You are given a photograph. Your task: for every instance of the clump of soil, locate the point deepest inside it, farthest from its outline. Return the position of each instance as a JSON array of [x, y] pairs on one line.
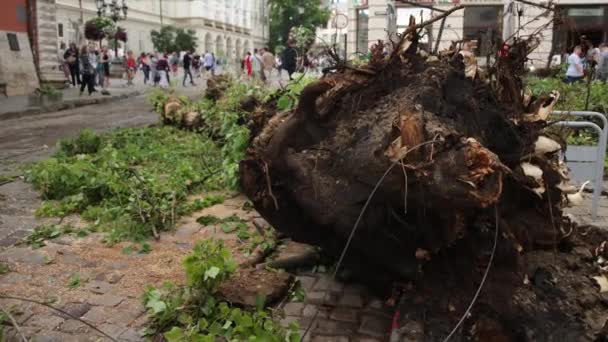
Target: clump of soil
[[433, 165]]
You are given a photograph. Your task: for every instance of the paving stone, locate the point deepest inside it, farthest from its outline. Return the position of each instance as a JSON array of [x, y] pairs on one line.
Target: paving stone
[[344, 314], [325, 283], [126, 312], [321, 298], [293, 309], [310, 310], [118, 265], [113, 330], [105, 300], [374, 326], [110, 277], [321, 338], [186, 232], [261, 223], [75, 309], [99, 287], [354, 288], [333, 328], [352, 299], [306, 282], [13, 278], [130, 335], [287, 320], [74, 326], [46, 322], [97, 315], [23, 255]]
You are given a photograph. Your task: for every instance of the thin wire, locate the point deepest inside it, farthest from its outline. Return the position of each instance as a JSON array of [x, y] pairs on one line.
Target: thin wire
[[483, 280], [352, 233]]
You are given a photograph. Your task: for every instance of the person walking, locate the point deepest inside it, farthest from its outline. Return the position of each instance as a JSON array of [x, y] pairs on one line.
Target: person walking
[[209, 62], [186, 64], [575, 70], [71, 56], [131, 67], [248, 67], [87, 70], [602, 65], [163, 68], [289, 58], [154, 72], [103, 70], [94, 60], [144, 62], [174, 62], [257, 65], [269, 63], [63, 64], [196, 65]]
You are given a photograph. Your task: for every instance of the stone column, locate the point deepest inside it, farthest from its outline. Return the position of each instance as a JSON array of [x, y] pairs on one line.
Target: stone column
[[382, 20], [46, 43]]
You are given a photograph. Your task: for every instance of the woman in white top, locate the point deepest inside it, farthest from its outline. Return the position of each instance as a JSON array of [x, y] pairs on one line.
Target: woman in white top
[[575, 66]]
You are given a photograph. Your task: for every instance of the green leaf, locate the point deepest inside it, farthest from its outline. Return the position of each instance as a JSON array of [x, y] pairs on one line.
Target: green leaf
[[175, 335], [212, 272], [228, 227]]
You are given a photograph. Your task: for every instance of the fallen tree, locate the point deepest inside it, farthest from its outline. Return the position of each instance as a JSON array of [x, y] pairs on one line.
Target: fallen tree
[[430, 162]]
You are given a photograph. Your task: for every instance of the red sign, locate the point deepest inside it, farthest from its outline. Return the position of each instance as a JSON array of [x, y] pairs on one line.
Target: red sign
[[13, 16]]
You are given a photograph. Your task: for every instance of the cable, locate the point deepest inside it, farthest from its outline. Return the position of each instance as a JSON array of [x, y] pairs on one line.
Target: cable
[[483, 280], [352, 233]]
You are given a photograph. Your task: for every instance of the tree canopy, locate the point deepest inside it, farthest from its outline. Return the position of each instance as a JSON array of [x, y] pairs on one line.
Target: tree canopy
[[99, 28], [286, 14], [172, 39]]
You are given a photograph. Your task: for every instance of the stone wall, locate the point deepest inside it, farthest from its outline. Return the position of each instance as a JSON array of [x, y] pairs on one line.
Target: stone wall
[[46, 37], [17, 70]]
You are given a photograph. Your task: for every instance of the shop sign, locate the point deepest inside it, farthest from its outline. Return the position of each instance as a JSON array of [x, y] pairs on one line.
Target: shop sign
[[586, 12]]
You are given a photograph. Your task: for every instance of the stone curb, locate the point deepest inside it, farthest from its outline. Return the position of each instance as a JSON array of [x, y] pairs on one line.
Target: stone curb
[[69, 104]]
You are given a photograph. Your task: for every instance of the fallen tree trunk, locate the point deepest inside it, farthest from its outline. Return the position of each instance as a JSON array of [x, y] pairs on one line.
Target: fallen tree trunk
[[455, 151], [436, 161]]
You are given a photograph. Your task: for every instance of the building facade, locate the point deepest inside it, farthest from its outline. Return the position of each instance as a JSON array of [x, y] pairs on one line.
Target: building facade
[[17, 70], [483, 22], [228, 28]]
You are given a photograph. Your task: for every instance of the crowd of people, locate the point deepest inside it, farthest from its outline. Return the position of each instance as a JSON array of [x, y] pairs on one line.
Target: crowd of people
[[586, 60], [88, 67]]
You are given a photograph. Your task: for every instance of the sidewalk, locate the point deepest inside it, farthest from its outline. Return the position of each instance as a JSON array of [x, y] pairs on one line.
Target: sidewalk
[[16, 106]]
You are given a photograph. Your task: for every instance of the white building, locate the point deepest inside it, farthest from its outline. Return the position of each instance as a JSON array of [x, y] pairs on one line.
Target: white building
[[228, 28], [482, 21]]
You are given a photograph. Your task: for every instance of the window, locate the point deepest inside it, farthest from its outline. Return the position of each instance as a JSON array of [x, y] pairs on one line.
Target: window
[[13, 42], [483, 26], [362, 30], [60, 30]]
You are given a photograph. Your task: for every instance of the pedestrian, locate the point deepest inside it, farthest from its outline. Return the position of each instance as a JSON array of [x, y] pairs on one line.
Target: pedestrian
[[575, 70], [174, 62], [602, 65], [214, 64], [87, 71], [248, 68], [279, 65], [257, 65], [144, 63], [269, 63], [209, 62], [71, 56], [63, 64], [131, 67], [186, 64], [103, 70], [163, 68], [154, 72], [94, 60], [289, 58], [196, 65]]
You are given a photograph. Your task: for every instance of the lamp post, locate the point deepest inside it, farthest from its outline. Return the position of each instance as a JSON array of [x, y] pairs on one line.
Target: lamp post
[[116, 12]]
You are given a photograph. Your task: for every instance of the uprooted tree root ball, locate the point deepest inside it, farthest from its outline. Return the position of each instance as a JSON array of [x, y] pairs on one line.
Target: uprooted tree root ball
[[454, 157]]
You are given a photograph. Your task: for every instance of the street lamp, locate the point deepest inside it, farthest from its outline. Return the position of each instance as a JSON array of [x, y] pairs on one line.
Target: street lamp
[[117, 11]]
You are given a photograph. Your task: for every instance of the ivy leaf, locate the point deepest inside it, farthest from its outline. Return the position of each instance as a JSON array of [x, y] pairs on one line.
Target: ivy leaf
[[175, 335], [212, 272], [154, 302], [228, 228], [284, 103]]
